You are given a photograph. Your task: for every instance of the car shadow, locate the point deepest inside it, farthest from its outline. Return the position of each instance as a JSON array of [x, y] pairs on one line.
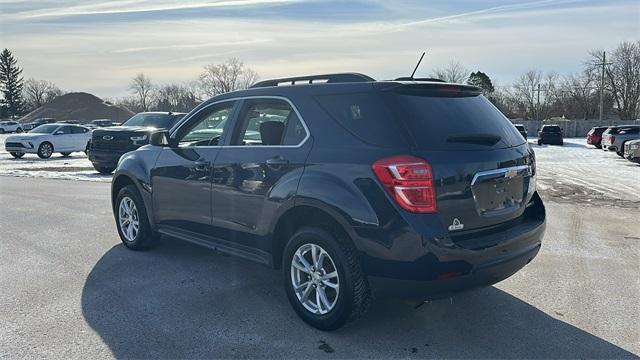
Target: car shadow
[[181, 301]]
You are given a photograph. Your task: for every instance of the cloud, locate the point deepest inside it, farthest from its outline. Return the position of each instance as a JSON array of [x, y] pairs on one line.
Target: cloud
[[190, 46], [504, 41], [138, 6]]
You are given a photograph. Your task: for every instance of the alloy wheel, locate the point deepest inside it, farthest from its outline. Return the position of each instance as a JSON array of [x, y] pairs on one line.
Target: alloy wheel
[[315, 279], [47, 150], [128, 219]]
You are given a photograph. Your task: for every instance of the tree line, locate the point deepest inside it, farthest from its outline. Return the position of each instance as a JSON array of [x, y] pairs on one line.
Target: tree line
[[542, 95], [215, 79], [533, 95]]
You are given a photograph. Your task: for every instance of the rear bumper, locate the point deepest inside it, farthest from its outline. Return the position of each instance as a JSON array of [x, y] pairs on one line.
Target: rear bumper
[[449, 265], [481, 275]]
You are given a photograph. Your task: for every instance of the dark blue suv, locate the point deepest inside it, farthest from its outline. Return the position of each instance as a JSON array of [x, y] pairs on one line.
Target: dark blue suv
[[355, 188]]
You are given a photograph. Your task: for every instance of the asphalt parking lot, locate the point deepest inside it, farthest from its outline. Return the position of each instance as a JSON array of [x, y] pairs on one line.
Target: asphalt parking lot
[[70, 290]]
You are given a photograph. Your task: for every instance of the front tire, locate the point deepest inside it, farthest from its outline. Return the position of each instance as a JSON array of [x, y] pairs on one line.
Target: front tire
[[2, 131], [19, 130], [132, 221], [323, 279], [45, 150], [17, 155], [65, 154]]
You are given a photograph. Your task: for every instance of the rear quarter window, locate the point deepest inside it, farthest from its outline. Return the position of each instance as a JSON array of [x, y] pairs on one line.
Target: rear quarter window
[[365, 116]]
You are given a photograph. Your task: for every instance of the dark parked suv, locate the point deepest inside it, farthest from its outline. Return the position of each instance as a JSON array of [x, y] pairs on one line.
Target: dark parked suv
[[355, 188], [550, 134], [108, 144]]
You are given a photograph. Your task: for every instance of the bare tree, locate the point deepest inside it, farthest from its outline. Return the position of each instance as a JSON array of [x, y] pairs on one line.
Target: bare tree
[[454, 72], [229, 76], [622, 77], [175, 97], [579, 96], [39, 92], [142, 88], [525, 91]]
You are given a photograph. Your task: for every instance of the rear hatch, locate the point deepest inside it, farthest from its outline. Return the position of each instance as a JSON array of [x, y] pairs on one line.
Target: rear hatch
[[484, 170]]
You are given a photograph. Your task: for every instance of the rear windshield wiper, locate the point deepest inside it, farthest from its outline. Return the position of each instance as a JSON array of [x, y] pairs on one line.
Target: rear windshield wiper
[[480, 139]]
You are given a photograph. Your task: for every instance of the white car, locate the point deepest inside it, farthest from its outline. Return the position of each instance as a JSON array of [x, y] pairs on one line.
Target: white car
[[10, 126], [46, 139]]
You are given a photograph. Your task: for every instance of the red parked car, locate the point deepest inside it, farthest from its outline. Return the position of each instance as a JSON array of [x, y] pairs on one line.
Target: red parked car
[[594, 136]]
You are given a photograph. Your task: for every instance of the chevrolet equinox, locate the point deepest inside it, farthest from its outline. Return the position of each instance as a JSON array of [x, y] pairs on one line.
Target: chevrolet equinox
[[354, 188]]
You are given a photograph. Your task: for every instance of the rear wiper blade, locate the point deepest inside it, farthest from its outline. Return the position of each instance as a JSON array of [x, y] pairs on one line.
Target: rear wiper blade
[[480, 139]]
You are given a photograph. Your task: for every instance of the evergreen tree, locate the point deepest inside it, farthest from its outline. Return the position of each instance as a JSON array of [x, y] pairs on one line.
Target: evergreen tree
[[10, 83], [482, 81]]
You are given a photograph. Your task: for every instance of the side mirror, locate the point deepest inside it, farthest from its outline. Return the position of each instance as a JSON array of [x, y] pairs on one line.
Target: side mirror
[[159, 138]]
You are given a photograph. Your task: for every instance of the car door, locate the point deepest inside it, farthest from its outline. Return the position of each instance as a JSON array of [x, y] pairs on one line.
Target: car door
[[181, 179], [63, 138], [80, 138], [258, 170]]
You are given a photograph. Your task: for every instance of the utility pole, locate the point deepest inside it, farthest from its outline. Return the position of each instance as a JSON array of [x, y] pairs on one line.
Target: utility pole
[[538, 104], [603, 64]]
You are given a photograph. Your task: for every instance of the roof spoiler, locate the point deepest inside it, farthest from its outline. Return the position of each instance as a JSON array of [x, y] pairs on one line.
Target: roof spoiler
[[315, 79]]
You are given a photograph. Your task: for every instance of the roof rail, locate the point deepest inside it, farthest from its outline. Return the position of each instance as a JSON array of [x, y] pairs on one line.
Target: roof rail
[[311, 79], [407, 78]]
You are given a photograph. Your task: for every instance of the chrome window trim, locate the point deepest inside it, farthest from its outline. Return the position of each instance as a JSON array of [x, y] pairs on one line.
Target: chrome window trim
[[304, 124], [500, 171]]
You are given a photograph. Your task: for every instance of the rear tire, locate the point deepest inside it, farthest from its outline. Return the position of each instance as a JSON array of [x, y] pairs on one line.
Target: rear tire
[[65, 154], [2, 131], [19, 130], [353, 295], [45, 150], [598, 146], [132, 221], [103, 169], [17, 155], [539, 142]]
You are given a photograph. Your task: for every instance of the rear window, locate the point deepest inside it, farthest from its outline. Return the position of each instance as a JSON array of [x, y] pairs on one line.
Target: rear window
[[453, 122], [551, 129], [388, 118]]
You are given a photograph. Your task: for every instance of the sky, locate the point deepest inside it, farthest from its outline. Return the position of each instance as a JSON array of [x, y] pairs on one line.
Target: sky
[[98, 46]]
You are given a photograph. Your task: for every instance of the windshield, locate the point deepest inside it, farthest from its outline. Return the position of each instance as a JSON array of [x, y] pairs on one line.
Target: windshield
[[151, 120], [44, 129]]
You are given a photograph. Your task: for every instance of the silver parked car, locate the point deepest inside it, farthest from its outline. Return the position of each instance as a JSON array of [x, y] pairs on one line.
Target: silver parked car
[[632, 150], [615, 137]]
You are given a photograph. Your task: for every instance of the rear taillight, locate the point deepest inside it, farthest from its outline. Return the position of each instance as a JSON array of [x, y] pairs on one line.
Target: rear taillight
[[409, 181], [612, 139]]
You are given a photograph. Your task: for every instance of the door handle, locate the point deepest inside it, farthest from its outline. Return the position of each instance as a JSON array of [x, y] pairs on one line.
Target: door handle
[[277, 161], [202, 164]]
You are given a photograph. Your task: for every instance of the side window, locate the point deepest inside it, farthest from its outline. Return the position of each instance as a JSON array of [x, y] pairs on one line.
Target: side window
[[78, 130], [207, 129], [269, 122], [65, 130]]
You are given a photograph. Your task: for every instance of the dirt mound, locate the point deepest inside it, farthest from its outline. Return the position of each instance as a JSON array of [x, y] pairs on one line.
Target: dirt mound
[[78, 106]]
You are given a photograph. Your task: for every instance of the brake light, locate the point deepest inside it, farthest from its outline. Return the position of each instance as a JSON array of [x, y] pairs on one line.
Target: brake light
[[409, 181], [612, 139]]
